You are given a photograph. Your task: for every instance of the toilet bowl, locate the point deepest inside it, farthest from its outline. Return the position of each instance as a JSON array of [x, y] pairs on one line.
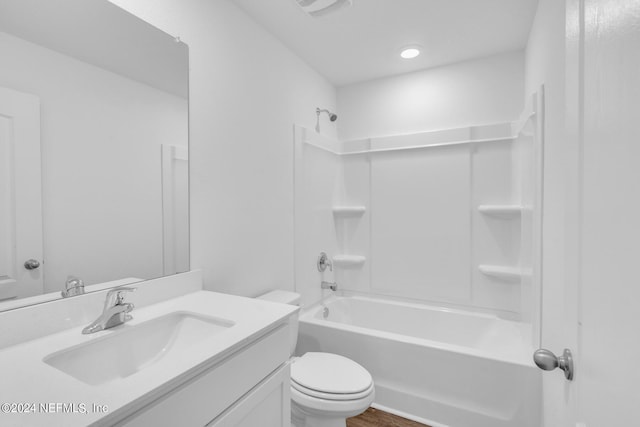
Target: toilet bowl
[[326, 388]]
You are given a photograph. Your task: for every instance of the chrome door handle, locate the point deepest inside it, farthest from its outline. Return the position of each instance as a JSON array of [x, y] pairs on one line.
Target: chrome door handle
[[548, 361], [31, 264]]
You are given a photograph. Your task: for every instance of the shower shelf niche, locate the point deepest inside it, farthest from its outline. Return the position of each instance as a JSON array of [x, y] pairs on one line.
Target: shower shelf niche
[[349, 261], [502, 211], [503, 272], [348, 211]]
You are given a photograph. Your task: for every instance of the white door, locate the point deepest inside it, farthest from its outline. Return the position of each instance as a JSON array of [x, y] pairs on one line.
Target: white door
[[601, 323], [20, 196], [175, 209]]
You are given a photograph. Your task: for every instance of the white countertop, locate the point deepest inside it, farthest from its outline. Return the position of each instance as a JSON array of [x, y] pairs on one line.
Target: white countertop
[[26, 380]]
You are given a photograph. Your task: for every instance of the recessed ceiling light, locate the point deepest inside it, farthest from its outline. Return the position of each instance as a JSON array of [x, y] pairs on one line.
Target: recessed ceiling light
[[410, 52]]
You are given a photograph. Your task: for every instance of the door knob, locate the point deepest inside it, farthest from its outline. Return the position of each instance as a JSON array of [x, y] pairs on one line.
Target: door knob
[[31, 264], [548, 361]]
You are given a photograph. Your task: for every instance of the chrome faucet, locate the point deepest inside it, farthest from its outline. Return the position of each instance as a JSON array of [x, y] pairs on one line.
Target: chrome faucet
[[329, 285], [72, 287], [114, 312]]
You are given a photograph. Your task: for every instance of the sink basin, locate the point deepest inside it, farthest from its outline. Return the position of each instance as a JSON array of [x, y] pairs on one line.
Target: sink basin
[[127, 349]]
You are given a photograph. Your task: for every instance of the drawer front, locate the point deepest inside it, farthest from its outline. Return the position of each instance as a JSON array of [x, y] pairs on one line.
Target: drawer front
[[207, 396]]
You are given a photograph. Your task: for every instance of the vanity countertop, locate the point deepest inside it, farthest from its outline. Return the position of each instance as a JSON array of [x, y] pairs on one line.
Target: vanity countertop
[[34, 393]]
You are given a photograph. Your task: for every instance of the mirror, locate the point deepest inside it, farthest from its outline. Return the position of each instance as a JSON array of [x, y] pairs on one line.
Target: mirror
[[93, 150]]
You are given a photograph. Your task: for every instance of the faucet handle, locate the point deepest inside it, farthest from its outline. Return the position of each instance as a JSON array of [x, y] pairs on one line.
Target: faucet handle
[[115, 296], [324, 262], [73, 282], [72, 287]]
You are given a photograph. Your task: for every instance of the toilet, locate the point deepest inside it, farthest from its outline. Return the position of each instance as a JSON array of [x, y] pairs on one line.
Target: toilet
[[326, 388]]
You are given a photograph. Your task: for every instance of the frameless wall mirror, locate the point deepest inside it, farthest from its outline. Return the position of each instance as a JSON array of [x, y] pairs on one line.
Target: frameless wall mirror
[[93, 150]]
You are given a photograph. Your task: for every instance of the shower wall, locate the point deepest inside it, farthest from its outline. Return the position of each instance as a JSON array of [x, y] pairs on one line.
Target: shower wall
[[422, 235], [440, 217], [318, 182], [421, 223]]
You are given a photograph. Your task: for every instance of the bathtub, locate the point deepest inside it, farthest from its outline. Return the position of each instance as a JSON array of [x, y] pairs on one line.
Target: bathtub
[[438, 366]]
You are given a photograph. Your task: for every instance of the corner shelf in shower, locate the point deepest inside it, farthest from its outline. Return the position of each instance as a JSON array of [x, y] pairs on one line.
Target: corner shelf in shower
[[349, 261], [502, 211], [349, 211], [502, 272]]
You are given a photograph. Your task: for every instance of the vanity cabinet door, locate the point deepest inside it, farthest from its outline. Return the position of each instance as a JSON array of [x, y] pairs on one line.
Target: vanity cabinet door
[[267, 405], [210, 394]]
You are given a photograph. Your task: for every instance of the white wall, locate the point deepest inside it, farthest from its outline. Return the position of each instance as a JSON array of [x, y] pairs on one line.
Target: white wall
[[545, 64], [246, 92], [101, 136], [476, 92]]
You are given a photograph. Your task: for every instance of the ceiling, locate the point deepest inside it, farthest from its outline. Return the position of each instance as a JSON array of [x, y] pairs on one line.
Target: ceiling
[[363, 42], [102, 34]]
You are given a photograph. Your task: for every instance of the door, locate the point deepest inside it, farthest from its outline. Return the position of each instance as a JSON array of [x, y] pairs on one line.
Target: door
[[175, 209], [20, 196], [601, 323]]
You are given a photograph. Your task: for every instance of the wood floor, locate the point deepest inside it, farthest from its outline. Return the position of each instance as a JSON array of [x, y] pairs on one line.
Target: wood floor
[[375, 418]]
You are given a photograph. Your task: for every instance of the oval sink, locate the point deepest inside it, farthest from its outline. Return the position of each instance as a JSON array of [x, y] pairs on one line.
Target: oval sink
[[128, 349]]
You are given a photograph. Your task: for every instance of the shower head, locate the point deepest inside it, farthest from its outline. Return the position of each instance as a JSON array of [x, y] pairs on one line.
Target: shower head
[[333, 117]]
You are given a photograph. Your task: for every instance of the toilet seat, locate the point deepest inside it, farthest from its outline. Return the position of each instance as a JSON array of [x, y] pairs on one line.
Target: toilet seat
[[324, 408], [331, 396], [330, 377]]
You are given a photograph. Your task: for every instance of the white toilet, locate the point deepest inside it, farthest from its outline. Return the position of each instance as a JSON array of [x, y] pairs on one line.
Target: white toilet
[[326, 388]]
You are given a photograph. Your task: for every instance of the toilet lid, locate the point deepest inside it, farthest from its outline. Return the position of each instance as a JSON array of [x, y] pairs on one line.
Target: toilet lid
[[330, 373]]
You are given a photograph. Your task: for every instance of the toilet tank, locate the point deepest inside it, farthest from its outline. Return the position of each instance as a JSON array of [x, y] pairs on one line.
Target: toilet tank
[[291, 298]]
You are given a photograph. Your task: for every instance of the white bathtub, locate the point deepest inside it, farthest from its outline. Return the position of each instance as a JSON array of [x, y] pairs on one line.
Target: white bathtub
[[439, 366]]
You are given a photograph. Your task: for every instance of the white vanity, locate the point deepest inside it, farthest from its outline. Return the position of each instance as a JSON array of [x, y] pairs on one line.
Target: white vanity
[[188, 357]]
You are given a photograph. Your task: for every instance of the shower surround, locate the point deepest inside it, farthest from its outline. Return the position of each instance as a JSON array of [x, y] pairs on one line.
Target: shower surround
[[442, 217], [442, 222]]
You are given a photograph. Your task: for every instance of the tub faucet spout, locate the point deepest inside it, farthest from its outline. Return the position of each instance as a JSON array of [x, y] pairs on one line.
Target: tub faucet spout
[[329, 285]]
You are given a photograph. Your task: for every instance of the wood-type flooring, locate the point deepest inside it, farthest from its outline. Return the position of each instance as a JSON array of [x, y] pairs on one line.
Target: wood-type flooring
[[375, 418]]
